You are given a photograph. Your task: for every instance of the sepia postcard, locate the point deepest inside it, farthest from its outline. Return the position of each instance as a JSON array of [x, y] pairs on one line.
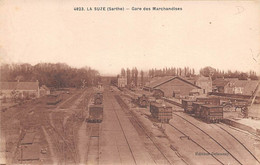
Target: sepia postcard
[[130, 82]]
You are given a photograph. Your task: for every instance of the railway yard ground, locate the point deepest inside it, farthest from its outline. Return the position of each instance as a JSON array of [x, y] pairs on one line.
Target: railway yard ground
[[37, 133]]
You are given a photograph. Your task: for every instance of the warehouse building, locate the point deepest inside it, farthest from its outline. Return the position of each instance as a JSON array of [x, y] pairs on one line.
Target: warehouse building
[[173, 86], [22, 89]]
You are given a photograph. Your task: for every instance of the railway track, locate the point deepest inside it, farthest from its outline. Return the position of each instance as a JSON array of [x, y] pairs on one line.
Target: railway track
[[239, 143], [208, 152], [124, 134], [134, 118], [93, 143], [217, 142]]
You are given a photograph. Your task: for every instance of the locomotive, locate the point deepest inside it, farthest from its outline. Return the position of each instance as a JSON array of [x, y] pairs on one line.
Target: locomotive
[[141, 100]]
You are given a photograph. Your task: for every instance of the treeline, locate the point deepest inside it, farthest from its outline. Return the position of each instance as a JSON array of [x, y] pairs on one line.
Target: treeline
[[132, 76], [216, 73], [57, 75], [186, 72]]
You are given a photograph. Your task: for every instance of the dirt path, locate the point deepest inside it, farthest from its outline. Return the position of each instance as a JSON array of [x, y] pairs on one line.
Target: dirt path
[[82, 143]]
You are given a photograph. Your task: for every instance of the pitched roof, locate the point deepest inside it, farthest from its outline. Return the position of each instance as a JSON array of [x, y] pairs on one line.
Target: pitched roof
[[248, 85], [220, 82], [166, 79], [201, 78], [19, 85], [158, 80]]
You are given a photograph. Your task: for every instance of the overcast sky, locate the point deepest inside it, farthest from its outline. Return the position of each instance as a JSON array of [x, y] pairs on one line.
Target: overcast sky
[[224, 35]]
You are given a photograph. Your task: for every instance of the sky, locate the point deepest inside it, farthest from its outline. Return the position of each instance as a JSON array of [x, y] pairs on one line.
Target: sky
[[224, 35]]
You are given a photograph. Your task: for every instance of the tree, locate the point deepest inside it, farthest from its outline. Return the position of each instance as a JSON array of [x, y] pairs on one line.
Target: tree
[[52, 75], [243, 76], [208, 71], [136, 76], [142, 77], [123, 72], [128, 76]]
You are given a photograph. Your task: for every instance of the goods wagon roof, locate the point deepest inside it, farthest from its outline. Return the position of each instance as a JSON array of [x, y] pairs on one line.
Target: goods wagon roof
[[211, 106]]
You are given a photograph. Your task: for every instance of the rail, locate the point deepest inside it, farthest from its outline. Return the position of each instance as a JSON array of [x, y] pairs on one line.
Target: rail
[[124, 106], [209, 137], [196, 143], [239, 142], [124, 134]]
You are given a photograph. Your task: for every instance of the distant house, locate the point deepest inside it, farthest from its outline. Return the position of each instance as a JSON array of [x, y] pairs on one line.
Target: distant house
[[23, 89], [172, 86], [205, 83], [219, 85], [122, 82], [44, 90], [235, 86], [243, 87]]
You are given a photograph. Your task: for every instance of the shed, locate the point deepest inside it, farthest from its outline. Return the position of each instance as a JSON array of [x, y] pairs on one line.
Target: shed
[[173, 86], [44, 90], [23, 89]]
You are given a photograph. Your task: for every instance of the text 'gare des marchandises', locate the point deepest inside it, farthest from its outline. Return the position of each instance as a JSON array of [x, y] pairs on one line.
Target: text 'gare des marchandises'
[[123, 9]]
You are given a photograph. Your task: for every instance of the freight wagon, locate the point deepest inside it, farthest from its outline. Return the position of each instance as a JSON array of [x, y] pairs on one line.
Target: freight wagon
[[95, 108], [208, 100], [211, 113], [98, 98], [95, 113], [187, 105], [54, 99], [161, 112], [196, 106]]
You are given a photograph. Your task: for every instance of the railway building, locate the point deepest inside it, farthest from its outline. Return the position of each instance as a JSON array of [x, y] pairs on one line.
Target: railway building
[[121, 82], [205, 83], [173, 86], [23, 89]]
